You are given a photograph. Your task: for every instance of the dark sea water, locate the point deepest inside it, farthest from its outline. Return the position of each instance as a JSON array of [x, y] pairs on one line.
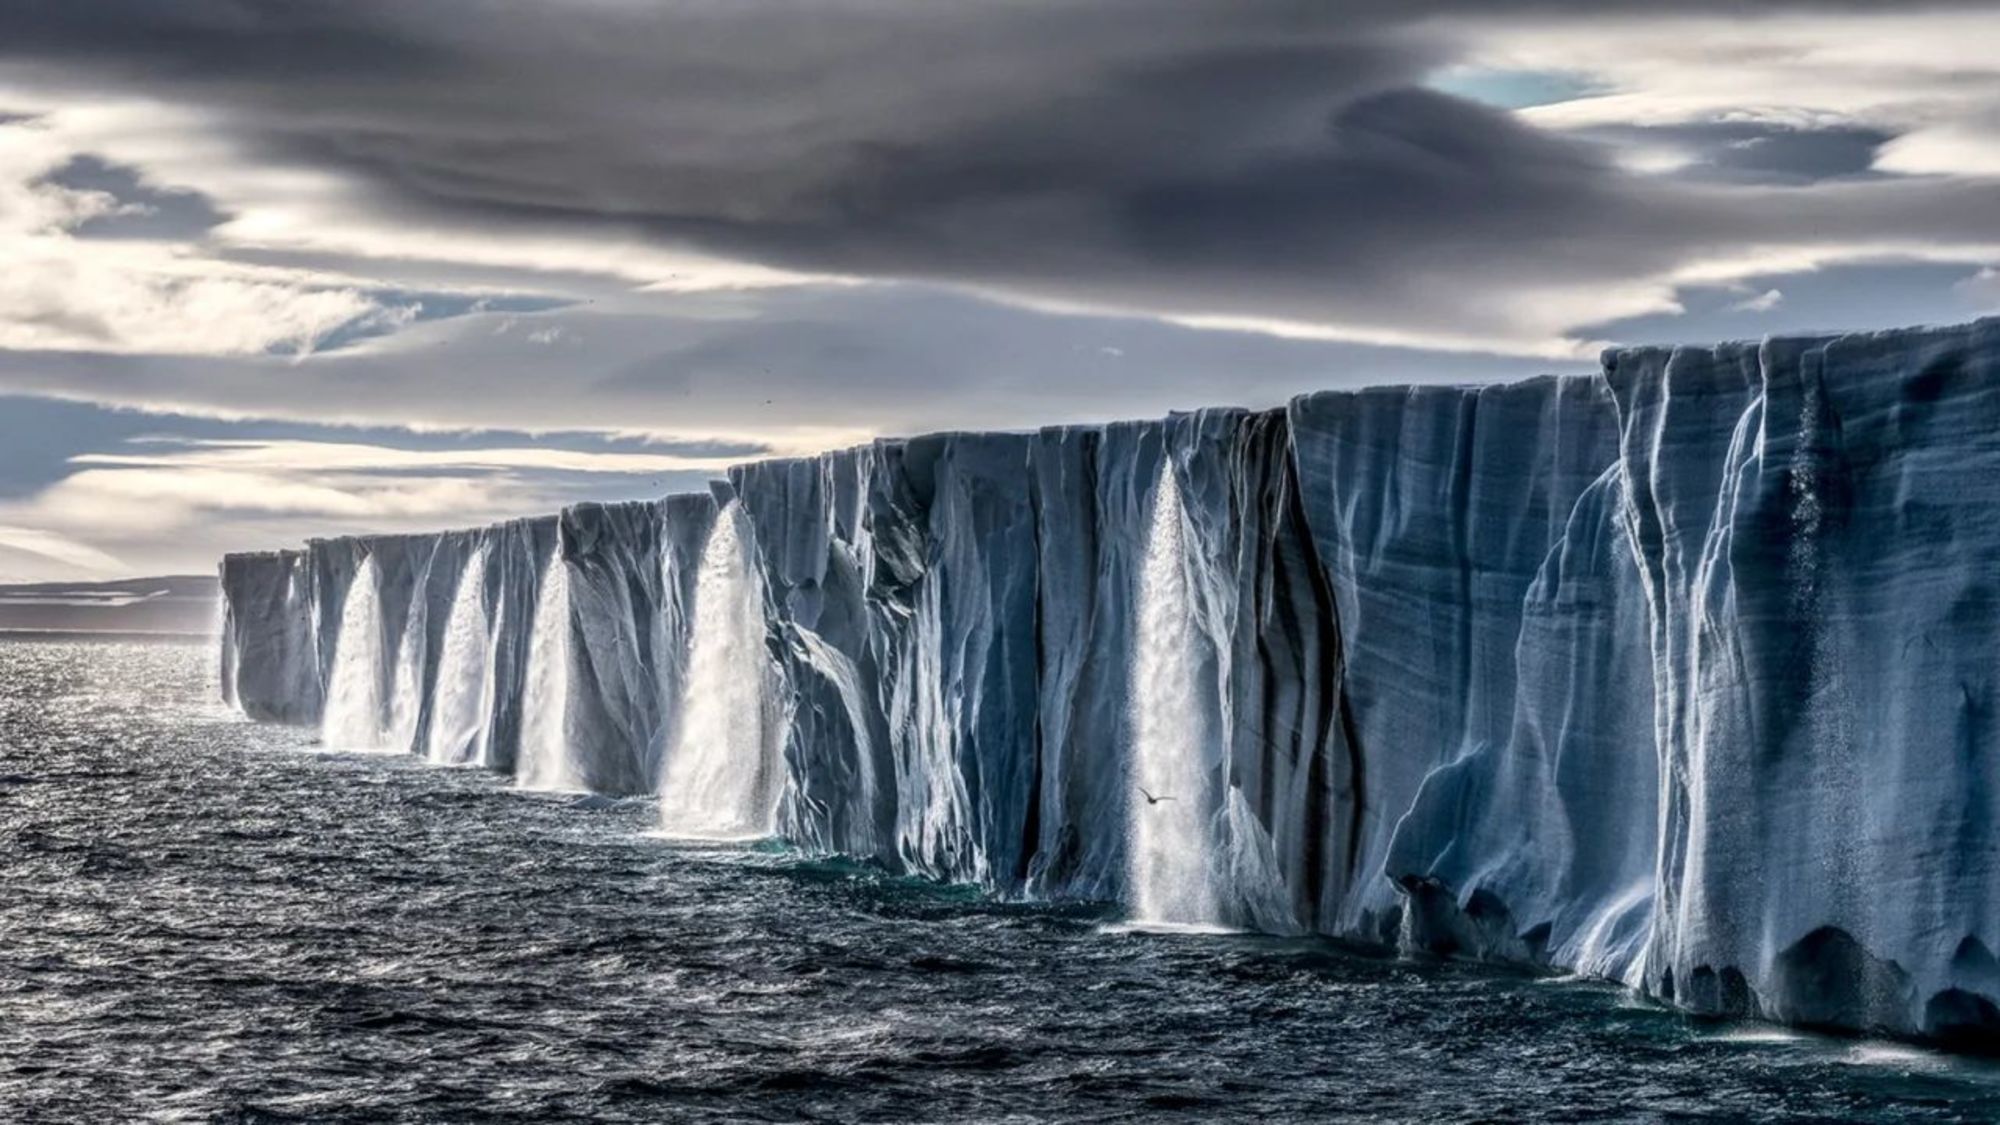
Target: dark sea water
[[203, 920]]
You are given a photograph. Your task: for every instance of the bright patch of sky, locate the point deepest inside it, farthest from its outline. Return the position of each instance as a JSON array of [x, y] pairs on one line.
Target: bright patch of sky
[[1514, 89]]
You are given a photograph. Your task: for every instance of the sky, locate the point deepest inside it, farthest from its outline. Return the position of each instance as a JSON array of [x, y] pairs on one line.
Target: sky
[[279, 268]]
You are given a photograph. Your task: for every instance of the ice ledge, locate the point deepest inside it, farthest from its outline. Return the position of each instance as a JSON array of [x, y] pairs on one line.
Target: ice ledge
[[1682, 674]]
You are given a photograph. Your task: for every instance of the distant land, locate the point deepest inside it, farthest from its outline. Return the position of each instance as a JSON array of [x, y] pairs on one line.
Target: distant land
[[173, 606]]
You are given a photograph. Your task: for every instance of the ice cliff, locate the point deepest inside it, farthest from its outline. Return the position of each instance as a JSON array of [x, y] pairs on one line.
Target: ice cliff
[[1683, 674]]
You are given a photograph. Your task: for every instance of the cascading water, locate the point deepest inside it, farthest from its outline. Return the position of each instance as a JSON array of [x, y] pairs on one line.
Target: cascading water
[[1171, 854], [360, 714], [464, 697], [406, 689], [724, 772], [353, 716], [230, 663], [546, 761]]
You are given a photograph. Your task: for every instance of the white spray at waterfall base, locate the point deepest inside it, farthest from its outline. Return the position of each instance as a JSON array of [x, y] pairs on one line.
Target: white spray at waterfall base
[[1171, 853], [724, 772], [464, 698], [546, 760]]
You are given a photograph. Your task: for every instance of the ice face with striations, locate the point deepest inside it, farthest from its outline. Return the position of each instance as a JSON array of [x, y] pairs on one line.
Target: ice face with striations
[[1683, 674], [1817, 523]]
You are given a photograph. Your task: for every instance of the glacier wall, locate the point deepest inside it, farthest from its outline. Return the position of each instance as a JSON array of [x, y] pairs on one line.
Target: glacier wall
[[1682, 674]]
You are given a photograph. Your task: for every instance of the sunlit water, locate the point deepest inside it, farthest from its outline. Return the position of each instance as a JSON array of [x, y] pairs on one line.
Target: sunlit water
[[204, 920]]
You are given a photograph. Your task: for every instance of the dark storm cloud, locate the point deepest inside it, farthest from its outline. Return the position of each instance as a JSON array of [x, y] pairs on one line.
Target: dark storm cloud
[[1256, 158]]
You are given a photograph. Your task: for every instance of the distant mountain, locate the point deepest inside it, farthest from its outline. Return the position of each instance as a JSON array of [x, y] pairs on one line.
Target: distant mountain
[[180, 605]]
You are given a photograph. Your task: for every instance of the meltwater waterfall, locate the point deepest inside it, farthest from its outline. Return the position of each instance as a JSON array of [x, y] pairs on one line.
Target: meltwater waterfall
[[375, 694], [1579, 672], [724, 773], [1171, 860], [547, 760], [462, 711], [353, 719]]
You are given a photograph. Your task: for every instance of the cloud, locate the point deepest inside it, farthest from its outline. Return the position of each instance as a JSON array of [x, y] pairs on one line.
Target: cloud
[[1763, 302], [164, 483], [1746, 152], [1268, 165], [56, 300], [1835, 298], [781, 373], [693, 390], [29, 554], [62, 291], [788, 225], [207, 495], [1916, 91], [1962, 148], [250, 202], [142, 209], [103, 258], [1982, 287], [300, 457]]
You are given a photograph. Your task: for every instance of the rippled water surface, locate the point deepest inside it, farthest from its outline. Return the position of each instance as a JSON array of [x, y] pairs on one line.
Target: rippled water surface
[[204, 920]]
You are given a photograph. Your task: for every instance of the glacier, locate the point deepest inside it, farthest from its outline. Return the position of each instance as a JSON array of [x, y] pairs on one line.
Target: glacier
[[1682, 674]]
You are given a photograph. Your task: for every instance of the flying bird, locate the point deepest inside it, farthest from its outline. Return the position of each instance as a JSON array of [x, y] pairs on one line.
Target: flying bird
[[1150, 799]]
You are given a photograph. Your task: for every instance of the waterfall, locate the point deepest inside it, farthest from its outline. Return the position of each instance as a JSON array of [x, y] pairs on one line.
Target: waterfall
[[545, 759], [463, 701], [230, 662], [360, 714], [354, 704], [1170, 853], [406, 689], [724, 772]]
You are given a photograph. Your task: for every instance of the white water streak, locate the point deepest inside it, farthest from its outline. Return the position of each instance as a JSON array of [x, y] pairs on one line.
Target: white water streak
[[546, 758], [1171, 861], [352, 719], [374, 695], [724, 773], [462, 711]]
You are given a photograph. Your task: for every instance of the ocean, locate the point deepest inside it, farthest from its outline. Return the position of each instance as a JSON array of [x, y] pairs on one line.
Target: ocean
[[204, 919]]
